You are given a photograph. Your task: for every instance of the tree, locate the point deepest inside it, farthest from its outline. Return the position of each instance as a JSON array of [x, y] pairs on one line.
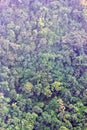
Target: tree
[[37, 110], [56, 86], [47, 92], [63, 128], [29, 121], [28, 87]]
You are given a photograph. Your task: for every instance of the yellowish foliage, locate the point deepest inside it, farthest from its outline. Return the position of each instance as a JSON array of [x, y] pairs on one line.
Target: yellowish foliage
[[47, 91], [60, 101], [41, 21], [28, 87], [56, 86], [85, 13]]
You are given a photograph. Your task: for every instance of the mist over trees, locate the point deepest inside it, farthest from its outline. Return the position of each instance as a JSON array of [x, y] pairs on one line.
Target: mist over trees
[[43, 65]]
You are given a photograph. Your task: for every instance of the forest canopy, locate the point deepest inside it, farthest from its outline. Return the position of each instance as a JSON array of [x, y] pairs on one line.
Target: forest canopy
[[43, 65]]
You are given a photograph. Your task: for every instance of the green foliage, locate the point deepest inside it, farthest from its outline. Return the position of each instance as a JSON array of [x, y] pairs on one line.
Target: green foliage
[[37, 109], [28, 122], [63, 128], [43, 65], [46, 117]]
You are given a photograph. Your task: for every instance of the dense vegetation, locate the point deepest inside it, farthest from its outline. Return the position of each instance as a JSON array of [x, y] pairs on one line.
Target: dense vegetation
[[43, 65]]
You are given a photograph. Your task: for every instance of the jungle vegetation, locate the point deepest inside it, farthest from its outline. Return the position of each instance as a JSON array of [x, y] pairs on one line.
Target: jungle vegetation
[[43, 65]]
